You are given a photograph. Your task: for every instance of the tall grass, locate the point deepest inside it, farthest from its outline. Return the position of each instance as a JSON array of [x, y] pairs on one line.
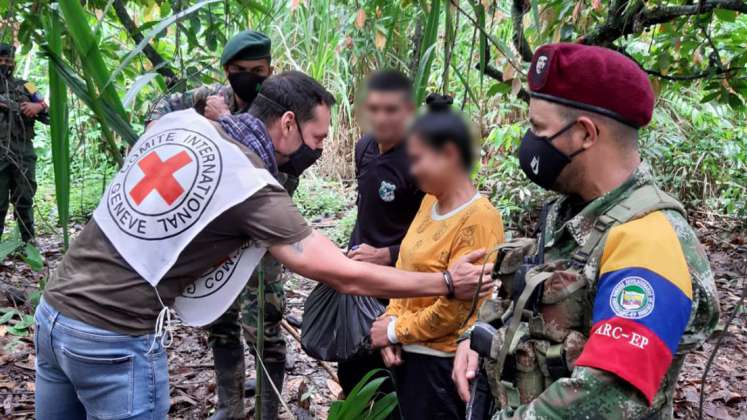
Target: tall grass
[[441, 44]]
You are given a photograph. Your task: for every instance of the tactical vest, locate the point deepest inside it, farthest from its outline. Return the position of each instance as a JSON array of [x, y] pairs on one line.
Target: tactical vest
[[544, 307], [16, 131]]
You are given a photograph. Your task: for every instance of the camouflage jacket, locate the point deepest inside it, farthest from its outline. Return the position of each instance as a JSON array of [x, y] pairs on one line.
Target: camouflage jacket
[[195, 98], [16, 130], [647, 298]]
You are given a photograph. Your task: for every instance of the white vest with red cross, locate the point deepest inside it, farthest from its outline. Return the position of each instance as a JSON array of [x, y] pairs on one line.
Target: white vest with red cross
[[179, 176]]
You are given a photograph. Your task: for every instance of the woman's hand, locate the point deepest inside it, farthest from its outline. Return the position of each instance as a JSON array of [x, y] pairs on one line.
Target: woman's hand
[[465, 369], [466, 275], [379, 338], [392, 356], [367, 253]]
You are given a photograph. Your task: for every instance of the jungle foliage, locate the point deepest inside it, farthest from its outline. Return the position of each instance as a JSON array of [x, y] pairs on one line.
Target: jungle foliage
[[103, 63]]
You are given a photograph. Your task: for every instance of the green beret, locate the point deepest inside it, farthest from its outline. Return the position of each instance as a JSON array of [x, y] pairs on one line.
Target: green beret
[[246, 45]]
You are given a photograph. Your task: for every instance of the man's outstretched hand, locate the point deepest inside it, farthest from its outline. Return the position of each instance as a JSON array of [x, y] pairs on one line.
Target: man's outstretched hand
[[465, 273]]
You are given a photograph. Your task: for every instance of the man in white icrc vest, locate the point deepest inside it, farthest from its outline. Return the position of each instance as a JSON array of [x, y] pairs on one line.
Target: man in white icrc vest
[[182, 226]]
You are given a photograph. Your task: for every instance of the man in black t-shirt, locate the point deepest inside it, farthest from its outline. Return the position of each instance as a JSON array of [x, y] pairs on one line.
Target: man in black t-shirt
[[388, 197]]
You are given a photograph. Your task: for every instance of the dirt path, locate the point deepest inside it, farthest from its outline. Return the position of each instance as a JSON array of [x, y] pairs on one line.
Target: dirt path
[[309, 389]]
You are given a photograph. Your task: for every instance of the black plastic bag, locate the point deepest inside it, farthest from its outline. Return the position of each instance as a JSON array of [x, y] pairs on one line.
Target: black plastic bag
[[336, 326]]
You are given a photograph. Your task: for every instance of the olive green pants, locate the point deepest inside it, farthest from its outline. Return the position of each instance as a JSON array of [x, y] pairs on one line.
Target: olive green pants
[[226, 331], [18, 186]]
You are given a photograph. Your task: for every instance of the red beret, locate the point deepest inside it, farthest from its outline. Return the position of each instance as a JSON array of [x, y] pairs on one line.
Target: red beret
[[594, 79]]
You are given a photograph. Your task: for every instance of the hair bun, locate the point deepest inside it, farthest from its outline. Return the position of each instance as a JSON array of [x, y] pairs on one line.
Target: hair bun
[[438, 103]]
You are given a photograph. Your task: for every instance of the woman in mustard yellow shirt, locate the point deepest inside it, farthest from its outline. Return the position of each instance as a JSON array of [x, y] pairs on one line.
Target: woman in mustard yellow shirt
[[419, 335]]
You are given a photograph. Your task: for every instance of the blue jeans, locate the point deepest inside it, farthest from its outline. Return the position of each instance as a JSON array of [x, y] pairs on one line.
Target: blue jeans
[[85, 372]]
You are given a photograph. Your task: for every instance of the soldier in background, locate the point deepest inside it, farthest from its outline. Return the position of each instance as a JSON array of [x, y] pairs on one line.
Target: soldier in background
[[247, 63], [21, 106], [618, 289]]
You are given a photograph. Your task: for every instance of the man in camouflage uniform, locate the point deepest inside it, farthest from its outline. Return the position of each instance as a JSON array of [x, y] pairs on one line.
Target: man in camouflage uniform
[[246, 62], [21, 106], [597, 323]]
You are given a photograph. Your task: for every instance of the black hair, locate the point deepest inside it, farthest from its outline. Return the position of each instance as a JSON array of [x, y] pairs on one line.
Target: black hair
[[441, 126], [291, 91], [390, 81]]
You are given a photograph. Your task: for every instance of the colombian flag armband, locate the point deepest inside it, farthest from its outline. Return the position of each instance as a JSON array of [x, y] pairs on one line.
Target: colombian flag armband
[[642, 305]]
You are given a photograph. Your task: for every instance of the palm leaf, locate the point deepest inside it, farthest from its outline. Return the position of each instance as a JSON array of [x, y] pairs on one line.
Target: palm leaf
[[90, 55], [139, 83], [58, 128], [428, 42], [106, 114], [152, 33]]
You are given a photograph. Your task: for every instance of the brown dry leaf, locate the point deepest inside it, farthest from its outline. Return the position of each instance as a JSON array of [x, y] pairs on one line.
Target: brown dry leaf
[[697, 57], [334, 388], [508, 72], [577, 10], [3, 330], [303, 396], [360, 19], [596, 5], [380, 40], [182, 399], [378, 12], [656, 86], [556, 36], [727, 86], [515, 86]]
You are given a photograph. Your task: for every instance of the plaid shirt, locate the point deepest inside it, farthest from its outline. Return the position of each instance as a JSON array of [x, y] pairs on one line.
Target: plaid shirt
[[251, 132]]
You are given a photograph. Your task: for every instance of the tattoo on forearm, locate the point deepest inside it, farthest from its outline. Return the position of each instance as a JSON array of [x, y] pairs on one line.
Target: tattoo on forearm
[[298, 247]]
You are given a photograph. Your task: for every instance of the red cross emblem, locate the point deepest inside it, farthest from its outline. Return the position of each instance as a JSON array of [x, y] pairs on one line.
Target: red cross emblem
[[159, 176]]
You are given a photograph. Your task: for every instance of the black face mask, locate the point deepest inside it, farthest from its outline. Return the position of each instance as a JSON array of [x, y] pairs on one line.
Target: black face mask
[[6, 70], [246, 85], [301, 159], [540, 160]]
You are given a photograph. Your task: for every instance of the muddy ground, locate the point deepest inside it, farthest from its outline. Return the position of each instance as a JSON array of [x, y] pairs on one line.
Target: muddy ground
[[309, 388]]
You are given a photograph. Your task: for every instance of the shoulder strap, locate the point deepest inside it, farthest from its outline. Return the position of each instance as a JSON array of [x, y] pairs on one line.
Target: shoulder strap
[[642, 201]]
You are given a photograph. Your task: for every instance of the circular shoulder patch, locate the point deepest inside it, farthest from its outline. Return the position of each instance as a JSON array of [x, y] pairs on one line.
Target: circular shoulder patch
[[633, 298]]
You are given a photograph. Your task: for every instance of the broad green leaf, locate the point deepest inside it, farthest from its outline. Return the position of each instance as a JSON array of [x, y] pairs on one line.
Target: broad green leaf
[[8, 246], [152, 33], [139, 83], [33, 257], [109, 117], [58, 122], [7, 316], [726, 15], [384, 406], [25, 322], [86, 44], [18, 332]]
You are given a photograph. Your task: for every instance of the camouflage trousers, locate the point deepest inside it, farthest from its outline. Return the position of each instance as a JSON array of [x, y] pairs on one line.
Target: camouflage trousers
[[243, 314], [17, 187]]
